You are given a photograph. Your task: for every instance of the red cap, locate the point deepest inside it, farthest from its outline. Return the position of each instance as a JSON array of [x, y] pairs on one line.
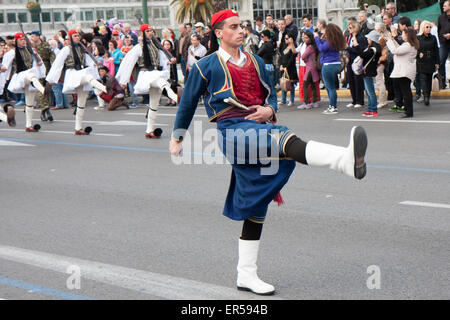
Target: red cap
[[222, 15], [144, 27], [19, 35], [72, 32], [115, 32]]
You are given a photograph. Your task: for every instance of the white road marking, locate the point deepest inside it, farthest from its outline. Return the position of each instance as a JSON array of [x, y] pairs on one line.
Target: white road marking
[[155, 284], [397, 121], [68, 132], [162, 114], [14, 144], [114, 123], [426, 204]]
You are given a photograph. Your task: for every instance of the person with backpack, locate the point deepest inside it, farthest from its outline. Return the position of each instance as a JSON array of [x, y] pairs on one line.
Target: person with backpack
[[370, 57], [267, 52]]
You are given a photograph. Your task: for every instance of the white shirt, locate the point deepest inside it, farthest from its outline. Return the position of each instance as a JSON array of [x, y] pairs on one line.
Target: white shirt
[[226, 56], [200, 51], [301, 50]]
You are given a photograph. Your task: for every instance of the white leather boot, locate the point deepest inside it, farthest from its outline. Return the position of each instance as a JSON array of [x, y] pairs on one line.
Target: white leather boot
[[349, 160], [247, 278]]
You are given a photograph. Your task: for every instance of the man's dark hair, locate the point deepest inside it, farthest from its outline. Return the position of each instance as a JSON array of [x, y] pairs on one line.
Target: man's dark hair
[[405, 21], [188, 24], [214, 43], [389, 15], [259, 19], [307, 16], [266, 33], [269, 15]]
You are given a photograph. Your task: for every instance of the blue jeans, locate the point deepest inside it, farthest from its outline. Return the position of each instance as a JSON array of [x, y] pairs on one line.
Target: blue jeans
[[444, 52], [134, 97], [369, 87], [60, 98], [183, 66], [284, 94], [329, 74]]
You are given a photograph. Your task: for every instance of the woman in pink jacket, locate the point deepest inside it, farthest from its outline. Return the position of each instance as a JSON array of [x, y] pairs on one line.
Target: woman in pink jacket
[[311, 76]]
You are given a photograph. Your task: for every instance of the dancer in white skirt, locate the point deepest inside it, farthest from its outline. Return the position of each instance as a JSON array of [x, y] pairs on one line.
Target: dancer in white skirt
[[26, 70], [154, 71], [80, 76]]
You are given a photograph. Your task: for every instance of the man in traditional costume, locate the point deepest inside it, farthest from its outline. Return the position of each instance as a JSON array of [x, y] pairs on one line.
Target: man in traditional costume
[[26, 70], [153, 67], [228, 73], [80, 76]]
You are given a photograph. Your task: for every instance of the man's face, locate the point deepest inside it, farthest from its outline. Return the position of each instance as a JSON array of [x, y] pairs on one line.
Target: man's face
[[194, 41], [387, 21], [126, 30], [390, 9], [259, 23], [307, 23], [76, 38], [199, 29], [281, 25], [35, 38], [232, 33], [362, 18], [446, 6], [181, 28], [402, 27], [21, 42], [269, 20], [149, 33], [188, 29], [102, 72]]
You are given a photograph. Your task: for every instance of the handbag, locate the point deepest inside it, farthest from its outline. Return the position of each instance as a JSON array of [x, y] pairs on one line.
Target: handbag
[[435, 83], [357, 65], [285, 82]]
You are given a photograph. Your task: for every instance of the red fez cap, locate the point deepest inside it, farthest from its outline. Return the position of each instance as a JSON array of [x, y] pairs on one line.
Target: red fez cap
[[19, 35], [115, 32], [72, 32], [144, 27], [222, 15]]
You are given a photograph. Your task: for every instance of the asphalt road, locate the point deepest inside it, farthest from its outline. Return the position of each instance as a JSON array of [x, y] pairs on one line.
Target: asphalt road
[[110, 216]]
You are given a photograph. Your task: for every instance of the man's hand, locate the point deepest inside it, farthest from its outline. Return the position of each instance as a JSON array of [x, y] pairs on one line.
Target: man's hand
[[421, 55], [124, 86], [262, 114], [173, 61], [447, 36], [175, 147], [40, 64], [3, 69], [50, 83]]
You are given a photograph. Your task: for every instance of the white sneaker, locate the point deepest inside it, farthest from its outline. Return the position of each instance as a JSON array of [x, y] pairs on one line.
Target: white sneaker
[[350, 105], [290, 104], [331, 110], [302, 106], [420, 99], [381, 105], [357, 106], [99, 108], [315, 105], [281, 104]]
